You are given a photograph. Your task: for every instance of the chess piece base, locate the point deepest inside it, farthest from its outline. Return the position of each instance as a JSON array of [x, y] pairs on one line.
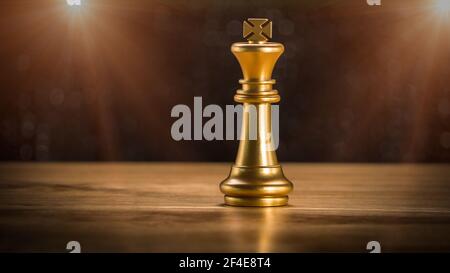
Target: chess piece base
[[256, 187], [256, 201]]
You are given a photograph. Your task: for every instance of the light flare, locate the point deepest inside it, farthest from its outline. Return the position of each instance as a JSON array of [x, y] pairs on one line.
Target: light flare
[[442, 7], [73, 2]]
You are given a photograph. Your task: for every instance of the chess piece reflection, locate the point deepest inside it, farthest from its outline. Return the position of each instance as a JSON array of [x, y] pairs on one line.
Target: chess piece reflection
[[256, 178]]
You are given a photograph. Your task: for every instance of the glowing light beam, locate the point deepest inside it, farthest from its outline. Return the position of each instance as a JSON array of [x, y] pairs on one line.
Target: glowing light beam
[[442, 7]]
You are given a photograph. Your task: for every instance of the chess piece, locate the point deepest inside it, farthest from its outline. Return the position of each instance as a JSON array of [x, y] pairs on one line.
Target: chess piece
[[256, 178]]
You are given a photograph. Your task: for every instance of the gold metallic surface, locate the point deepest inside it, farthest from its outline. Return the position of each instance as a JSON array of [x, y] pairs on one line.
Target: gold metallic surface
[[256, 178]]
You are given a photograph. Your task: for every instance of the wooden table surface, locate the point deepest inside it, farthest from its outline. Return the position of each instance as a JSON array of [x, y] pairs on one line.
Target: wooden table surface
[[177, 207]]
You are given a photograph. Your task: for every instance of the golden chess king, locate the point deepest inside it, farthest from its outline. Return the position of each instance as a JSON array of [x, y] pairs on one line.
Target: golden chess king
[[256, 178]]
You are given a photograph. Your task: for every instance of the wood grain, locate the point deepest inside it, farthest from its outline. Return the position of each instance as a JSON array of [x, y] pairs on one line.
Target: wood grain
[[177, 207]]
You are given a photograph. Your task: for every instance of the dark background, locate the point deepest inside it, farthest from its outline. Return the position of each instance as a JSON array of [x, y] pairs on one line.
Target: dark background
[[358, 83]]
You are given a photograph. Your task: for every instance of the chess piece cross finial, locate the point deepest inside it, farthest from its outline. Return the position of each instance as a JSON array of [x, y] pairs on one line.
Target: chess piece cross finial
[[257, 30]]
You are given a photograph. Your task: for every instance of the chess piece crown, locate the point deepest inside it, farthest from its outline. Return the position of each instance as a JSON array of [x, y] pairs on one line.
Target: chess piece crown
[[256, 178]]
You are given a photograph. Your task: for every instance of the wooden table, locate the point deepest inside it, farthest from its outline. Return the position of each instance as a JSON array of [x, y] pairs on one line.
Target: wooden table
[[177, 207]]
